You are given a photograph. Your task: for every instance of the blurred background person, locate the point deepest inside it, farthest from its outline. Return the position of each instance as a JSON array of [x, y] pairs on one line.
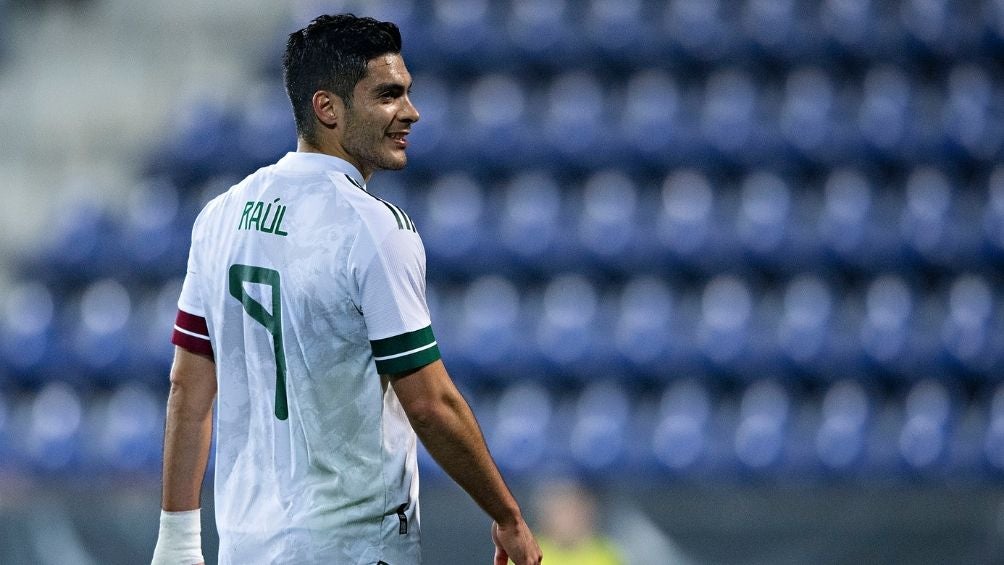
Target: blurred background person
[[570, 533]]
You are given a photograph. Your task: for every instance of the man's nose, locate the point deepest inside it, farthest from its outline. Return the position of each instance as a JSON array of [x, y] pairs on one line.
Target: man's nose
[[409, 113]]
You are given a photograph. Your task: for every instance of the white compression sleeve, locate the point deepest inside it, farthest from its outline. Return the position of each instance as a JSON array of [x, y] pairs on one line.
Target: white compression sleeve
[[180, 539]]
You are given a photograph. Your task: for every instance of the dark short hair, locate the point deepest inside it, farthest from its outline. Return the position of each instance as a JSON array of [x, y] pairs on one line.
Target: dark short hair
[[331, 54]]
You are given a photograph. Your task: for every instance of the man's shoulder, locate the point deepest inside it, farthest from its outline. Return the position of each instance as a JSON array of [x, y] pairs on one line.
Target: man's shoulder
[[379, 216]]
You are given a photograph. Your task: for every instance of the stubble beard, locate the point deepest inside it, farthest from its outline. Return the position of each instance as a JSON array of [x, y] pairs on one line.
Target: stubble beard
[[370, 150]]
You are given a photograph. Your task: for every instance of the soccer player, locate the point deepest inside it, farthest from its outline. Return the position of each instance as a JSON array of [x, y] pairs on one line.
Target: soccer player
[[304, 311]]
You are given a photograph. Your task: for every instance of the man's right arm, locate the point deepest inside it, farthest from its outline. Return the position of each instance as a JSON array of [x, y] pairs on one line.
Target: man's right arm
[[447, 427]]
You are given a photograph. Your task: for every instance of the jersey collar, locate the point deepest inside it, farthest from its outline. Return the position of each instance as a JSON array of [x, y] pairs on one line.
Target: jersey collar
[[321, 162]]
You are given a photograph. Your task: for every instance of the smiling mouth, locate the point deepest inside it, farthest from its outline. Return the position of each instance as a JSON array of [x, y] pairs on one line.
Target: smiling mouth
[[399, 138]]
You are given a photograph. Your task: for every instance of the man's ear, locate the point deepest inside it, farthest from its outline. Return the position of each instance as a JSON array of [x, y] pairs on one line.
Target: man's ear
[[328, 108]]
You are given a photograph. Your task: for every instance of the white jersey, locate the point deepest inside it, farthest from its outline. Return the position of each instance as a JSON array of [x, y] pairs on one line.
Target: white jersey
[[310, 289]]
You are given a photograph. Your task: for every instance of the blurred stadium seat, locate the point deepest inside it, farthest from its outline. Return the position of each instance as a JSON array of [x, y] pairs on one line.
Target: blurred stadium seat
[[680, 439], [760, 437], [598, 439], [529, 227], [52, 441], [846, 411], [643, 332], [520, 433]]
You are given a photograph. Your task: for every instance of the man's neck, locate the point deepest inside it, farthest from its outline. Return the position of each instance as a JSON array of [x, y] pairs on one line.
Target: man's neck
[[304, 146]]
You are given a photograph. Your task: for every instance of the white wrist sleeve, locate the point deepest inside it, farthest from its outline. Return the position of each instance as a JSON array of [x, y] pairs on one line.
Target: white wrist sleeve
[[180, 539]]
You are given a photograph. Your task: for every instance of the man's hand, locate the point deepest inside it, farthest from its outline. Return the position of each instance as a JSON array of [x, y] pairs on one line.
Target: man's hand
[[515, 542]]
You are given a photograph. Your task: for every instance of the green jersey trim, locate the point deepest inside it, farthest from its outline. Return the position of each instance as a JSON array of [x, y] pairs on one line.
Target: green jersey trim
[[406, 351], [403, 221]]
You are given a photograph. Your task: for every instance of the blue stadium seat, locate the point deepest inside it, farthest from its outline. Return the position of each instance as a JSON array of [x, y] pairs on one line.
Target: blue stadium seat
[[81, 247], [55, 426], [154, 234], [841, 439], [992, 16], [568, 335], [763, 224], [773, 27], [993, 442], [454, 216], [7, 452], [199, 147], [542, 33], [810, 114], [531, 220], [699, 29], [885, 111], [620, 31], [129, 431], [598, 439], [804, 326], [575, 124], [993, 218], [644, 328], [850, 25], [494, 131], [927, 225], [968, 121], [653, 125], [688, 224], [608, 228], [942, 28], [762, 427], [28, 332], [968, 330], [492, 332], [724, 329], [858, 227], [519, 436], [885, 334], [460, 34], [730, 118], [100, 331], [924, 435], [681, 438]]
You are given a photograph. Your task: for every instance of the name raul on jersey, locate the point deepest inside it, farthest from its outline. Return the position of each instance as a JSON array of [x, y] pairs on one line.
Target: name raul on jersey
[[263, 216]]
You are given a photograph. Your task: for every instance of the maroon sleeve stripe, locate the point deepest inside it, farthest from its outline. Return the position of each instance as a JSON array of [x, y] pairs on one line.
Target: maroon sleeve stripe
[[192, 323], [191, 333]]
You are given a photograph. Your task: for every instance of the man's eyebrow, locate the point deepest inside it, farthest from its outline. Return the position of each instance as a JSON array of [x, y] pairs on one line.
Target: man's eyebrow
[[389, 87]]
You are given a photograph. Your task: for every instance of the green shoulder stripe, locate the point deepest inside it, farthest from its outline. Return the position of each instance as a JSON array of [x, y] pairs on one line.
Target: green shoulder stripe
[[408, 224], [400, 225], [403, 221], [355, 182]]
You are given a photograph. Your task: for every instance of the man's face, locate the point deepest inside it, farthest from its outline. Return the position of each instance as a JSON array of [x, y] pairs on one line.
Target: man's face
[[380, 117]]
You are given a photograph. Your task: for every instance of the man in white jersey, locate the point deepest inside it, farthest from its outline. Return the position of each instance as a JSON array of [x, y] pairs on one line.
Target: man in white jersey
[[304, 311]]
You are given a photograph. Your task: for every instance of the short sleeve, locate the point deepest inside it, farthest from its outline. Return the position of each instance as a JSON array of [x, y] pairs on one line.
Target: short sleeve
[[189, 300], [391, 283], [190, 328]]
